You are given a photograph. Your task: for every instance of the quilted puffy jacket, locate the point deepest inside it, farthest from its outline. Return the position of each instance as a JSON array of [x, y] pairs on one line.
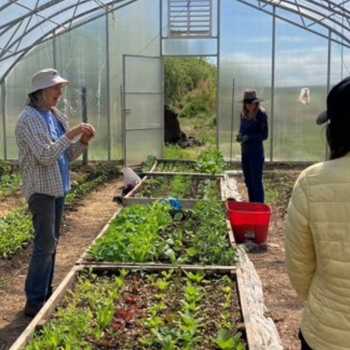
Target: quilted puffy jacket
[[318, 252]]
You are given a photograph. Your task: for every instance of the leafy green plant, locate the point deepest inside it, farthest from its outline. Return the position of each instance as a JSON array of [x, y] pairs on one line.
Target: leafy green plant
[[134, 235], [226, 341], [211, 161], [176, 152], [9, 184], [15, 232], [143, 310], [150, 233], [80, 190], [149, 162], [210, 244], [5, 167], [89, 311], [180, 187]]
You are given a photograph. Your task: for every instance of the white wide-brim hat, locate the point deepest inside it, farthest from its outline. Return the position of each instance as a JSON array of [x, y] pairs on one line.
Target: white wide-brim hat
[[46, 78]]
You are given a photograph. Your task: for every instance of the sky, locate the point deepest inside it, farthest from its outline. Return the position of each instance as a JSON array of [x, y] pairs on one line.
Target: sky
[[301, 56]]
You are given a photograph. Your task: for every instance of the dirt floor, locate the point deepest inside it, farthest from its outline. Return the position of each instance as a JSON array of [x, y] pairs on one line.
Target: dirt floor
[[81, 226], [280, 298]]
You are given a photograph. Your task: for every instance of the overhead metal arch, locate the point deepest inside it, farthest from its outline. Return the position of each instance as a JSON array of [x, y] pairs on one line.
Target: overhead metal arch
[[320, 17], [23, 27], [12, 46]]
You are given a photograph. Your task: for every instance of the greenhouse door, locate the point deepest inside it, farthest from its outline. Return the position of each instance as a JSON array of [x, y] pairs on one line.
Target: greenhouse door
[[142, 108]]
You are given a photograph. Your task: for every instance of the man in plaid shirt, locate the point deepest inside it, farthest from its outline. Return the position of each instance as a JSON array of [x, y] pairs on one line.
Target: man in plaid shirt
[[46, 146]]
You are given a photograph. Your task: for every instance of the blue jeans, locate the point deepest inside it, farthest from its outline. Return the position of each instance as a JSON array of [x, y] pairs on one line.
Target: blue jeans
[[252, 166], [47, 216]]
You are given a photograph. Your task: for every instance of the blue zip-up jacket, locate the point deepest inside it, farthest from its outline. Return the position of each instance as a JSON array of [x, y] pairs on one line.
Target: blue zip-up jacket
[[256, 131]]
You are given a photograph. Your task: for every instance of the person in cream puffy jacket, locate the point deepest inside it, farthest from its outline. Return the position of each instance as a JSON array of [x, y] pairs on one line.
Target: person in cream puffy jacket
[[318, 234]]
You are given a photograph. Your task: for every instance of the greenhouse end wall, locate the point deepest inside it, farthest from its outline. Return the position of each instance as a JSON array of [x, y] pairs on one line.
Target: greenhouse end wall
[[277, 59], [256, 50]]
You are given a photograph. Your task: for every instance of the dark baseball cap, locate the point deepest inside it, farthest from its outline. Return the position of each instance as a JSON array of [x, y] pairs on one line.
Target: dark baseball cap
[[338, 100]]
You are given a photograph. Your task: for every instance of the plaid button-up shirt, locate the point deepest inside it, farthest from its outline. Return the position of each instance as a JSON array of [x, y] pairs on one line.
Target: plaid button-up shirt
[[38, 154]]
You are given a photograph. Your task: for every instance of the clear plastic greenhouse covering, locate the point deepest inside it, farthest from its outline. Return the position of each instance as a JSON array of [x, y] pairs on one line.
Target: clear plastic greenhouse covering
[[26, 23], [280, 47], [91, 56]]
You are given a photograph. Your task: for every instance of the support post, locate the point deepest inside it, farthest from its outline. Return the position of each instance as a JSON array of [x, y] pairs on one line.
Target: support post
[[218, 107], [109, 127], [273, 67], [84, 118], [3, 111], [232, 118], [329, 57]]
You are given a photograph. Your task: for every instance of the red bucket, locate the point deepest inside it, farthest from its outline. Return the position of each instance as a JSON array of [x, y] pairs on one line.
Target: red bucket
[[249, 221]]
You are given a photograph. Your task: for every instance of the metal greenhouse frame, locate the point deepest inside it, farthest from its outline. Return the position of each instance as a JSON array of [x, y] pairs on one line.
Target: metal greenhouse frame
[[26, 24]]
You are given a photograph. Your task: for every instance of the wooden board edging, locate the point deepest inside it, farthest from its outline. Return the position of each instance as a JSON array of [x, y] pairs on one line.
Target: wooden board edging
[[130, 198], [261, 331], [46, 311], [186, 203], [175, 173], [121, 265]]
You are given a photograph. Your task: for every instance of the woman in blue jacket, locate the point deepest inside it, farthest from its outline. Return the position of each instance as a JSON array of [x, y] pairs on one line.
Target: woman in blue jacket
[[253, 131]]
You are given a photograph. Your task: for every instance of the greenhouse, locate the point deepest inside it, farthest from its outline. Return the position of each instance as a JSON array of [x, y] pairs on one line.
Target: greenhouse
[[290, 46], [174, 174]]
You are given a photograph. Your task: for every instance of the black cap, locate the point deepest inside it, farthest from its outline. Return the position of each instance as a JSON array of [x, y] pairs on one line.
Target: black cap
[[337, 103]]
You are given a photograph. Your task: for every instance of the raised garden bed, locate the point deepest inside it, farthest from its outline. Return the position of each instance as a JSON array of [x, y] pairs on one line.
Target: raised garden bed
[[210, 161], [152, 308], [188, 189], [157, 234], [190, 167], [186, 167]]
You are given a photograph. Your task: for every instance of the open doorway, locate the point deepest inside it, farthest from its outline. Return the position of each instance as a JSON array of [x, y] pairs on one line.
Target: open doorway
[[190, 88]]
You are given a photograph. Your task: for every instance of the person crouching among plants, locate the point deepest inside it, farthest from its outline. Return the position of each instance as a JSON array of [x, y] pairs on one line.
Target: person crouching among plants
[[318, 234], [252, 132], [46, 145]]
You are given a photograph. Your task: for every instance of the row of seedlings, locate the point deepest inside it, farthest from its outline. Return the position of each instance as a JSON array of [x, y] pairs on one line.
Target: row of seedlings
[[155, 278], [139, 308], [16, 229], [186, 188], [10, 180], [209, 162]]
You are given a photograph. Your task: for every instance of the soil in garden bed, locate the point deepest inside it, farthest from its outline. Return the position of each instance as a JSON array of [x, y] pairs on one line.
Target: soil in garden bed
[[280, 298], [80, 228], [185, 187], [144, 310], [156, 233]]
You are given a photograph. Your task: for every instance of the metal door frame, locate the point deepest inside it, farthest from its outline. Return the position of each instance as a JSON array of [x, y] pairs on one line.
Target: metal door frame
[[125, 110]]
